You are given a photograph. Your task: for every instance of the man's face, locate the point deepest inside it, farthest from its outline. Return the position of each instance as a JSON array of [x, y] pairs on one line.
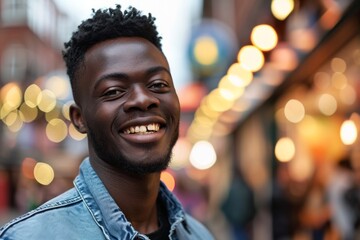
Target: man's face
[[127, 105]]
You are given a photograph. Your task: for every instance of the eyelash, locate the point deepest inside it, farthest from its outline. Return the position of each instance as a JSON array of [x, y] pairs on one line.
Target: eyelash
[[159, 85], [112, 92]]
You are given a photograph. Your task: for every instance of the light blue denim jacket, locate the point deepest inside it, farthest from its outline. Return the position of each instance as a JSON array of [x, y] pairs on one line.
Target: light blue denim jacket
[[88, 212]]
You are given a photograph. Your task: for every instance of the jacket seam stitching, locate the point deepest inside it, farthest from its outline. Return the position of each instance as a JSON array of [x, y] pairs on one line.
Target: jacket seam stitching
[[91, 213]]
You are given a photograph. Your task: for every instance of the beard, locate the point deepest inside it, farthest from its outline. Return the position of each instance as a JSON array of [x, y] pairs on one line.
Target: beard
[[116, 159]]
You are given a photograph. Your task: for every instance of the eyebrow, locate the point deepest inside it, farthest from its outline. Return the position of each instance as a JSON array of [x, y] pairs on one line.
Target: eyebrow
[[157, 69], [119, 75]]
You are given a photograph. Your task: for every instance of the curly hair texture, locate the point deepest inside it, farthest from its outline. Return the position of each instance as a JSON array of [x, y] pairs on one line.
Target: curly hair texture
[[104, 25]]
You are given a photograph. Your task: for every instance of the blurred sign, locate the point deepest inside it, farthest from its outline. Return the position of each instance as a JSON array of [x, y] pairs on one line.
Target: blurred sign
[[212, 48]]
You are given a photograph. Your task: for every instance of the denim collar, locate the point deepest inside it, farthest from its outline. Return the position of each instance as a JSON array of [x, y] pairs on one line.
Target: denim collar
[[106, 213]]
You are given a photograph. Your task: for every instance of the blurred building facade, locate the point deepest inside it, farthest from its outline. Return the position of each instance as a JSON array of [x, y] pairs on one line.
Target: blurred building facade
[[32, 32], [280, 140], [31, 38]]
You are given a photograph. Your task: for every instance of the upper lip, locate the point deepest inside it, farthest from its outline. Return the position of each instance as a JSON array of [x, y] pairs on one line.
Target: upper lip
[[142, 121]]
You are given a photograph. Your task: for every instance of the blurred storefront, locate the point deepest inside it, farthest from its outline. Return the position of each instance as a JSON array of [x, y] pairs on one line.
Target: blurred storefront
[[284, 130]]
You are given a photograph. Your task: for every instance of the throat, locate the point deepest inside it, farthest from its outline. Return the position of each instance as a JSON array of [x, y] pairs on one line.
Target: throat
[[163, 223]]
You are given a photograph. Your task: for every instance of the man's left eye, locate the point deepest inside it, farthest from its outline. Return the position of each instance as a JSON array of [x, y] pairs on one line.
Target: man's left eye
[[160, 87], [112, 92]]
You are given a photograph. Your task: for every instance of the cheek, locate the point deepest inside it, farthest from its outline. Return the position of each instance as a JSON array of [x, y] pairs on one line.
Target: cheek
[[173, 107], [177, 105], [173, 100], [100, 115]]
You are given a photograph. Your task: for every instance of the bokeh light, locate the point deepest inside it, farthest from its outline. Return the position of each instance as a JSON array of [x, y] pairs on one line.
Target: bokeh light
[[348, 95], [28, 114], [217, 102], [181, 152], [54, 113], [206, 50], [56, 130], [327, 104], [284, 149], [59, 86], [17, 124], [203, 155], [338, 65], [281, 9], [339, 80], [284, 58], [239, 76], [169, 180], [294, 111], [348, 132], [43, 173], [11, 96], [46, 100], [251, 58], [264, 37], [31, 95], [10, 118], [229, 90], [13, 121], [27, 167]]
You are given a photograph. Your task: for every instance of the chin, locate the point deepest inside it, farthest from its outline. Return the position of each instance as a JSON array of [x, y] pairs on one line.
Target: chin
[[145, 168], [136, 164]]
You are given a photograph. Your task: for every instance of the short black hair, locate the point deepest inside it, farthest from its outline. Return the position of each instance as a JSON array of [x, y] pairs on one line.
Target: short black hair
[[104, 25]]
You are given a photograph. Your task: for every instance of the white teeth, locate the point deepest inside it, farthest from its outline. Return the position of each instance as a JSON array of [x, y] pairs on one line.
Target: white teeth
[[151, 127], [142, 129]]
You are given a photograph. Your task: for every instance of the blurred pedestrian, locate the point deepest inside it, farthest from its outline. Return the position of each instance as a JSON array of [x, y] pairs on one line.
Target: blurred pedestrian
[[342, 214]]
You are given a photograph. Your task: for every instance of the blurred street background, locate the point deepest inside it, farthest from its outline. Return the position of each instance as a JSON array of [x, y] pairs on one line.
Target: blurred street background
[[270, 101]]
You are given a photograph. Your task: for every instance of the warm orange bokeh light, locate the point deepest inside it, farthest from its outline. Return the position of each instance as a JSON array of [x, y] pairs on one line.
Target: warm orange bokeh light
[[27, 167], [169, 180]]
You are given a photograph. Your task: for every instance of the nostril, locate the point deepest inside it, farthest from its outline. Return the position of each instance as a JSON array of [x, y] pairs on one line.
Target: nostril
[[152, 106]]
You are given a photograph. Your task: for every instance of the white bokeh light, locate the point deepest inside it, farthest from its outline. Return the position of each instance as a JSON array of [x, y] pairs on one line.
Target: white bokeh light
[[348, 132], [202, 155]]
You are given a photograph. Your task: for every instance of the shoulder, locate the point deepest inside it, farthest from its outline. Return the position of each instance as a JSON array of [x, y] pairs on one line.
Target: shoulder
[[48, 218]]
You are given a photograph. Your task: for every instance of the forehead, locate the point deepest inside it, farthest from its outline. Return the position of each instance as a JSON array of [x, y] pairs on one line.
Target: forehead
[[125, 51]]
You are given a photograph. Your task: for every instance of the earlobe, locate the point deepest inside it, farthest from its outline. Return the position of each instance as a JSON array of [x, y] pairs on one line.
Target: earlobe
[[77, 119]]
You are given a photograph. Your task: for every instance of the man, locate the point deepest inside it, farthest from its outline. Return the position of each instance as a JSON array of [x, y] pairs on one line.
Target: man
[[126, 103]]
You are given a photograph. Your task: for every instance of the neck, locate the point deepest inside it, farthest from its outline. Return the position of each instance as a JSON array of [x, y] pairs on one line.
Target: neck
[[135, 195]]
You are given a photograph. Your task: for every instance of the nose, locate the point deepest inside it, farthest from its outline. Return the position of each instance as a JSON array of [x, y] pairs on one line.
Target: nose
[[140, 98]]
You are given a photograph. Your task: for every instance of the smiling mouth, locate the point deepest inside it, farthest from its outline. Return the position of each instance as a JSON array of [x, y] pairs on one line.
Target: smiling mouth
[[143, 129]]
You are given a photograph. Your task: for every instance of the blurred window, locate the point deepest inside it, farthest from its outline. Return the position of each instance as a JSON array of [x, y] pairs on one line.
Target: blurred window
[[13, 63], [13, 12]]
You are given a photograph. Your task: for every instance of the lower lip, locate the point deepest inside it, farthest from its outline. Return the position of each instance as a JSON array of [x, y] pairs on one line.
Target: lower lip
[[144, 138]]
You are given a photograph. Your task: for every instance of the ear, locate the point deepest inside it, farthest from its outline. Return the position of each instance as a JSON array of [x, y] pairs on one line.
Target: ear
[[77, 118]]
